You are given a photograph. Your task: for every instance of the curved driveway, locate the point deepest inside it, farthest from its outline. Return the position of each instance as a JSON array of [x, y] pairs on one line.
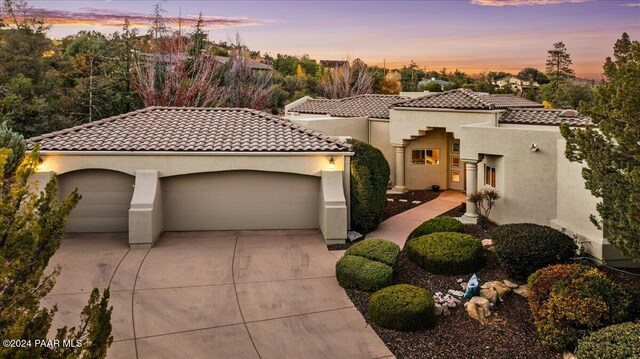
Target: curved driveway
[[244, 294]]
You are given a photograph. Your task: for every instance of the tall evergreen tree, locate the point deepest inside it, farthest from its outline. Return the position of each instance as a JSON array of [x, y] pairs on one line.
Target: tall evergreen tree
[[612, 150], [559, 63]]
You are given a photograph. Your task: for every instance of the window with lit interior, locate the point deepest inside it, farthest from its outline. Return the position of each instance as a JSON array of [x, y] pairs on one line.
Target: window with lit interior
[[426, 157]]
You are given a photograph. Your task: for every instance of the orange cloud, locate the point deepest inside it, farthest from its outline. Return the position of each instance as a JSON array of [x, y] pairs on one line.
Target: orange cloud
[[524, 2], [115, 19]]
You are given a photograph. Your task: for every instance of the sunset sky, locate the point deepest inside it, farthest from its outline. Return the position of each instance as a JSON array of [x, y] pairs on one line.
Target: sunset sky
[[471, 35]]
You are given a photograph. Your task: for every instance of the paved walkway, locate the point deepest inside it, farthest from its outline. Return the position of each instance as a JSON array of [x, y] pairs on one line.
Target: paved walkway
[[398, 227], [253, 294]]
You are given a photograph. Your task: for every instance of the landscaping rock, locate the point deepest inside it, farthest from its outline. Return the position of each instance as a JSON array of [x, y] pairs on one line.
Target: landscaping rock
[[444, 303], [510, 284], [353, 236], [478, 308], [522, 290], [460, 280], [568, 355], [403, 200], [389, 199], [416, 202], [499, 287], [489, 294], [487, 244], [456, 293]]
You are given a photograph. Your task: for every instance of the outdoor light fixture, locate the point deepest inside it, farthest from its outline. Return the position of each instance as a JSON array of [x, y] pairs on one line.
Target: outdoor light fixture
[[332, 163], [534, 147]]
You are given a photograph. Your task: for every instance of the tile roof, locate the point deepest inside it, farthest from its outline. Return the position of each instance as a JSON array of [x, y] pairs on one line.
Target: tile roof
[[190, 129], [462, 99], [373, 106], [544, 117]]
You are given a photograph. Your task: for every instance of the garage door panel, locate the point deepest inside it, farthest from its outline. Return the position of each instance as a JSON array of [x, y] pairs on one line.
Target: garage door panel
[[240, 200], [105, 202]]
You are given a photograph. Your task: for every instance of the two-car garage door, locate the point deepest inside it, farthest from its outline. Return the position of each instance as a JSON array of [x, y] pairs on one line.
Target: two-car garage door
[[240, 200], [206, 201]]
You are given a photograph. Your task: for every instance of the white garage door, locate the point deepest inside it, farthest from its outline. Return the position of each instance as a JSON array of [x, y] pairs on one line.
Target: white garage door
[[106, 198], [240, 200]]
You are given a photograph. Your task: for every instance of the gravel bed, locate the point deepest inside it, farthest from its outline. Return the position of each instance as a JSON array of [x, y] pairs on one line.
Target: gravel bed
[[397, 207]]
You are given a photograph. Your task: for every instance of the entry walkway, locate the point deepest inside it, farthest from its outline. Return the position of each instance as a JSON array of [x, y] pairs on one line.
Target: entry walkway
[[398, 227], [235, 294]]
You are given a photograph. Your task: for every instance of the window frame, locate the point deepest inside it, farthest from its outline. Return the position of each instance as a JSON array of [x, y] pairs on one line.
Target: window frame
[[424, 156], [490, 175]]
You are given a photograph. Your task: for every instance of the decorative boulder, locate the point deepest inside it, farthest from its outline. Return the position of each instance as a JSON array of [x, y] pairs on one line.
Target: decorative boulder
[[478, 308]]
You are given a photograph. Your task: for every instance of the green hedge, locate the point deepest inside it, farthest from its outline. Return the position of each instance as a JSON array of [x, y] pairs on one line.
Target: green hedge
[[614, 342], [568, 301], [369, 181], [523, 248], [439, 224], [378, 250], [446, 253], [361, 273], [402, 307]]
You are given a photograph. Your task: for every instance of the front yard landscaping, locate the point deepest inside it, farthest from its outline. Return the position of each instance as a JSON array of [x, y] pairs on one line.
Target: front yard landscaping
[[400, 202], [402, 317]]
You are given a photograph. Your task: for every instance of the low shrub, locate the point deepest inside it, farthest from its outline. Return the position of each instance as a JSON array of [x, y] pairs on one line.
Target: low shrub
[[369, 181], [402, 307], [362, 273], [378, 250], [446, 253], [568, 301], [523, 248], [439, 224], [616, 341]]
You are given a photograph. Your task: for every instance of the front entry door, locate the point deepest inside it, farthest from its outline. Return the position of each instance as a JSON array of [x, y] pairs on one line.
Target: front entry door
[[456, 167]]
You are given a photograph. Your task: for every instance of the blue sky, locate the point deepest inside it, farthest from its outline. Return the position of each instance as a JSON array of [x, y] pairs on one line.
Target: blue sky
[[472, 35]]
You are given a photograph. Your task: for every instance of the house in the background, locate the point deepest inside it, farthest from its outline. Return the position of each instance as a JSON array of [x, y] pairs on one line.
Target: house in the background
[[333, 63], [440, 82], [517, 84], [464, 140]]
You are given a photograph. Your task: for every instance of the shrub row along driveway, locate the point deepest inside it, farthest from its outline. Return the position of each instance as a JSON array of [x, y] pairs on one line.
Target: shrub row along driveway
[[249, 294]]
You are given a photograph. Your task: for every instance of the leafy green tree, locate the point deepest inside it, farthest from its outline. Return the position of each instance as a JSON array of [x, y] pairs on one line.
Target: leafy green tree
[[566, 94], [611, 151], [15, 142], [430, 86], [31, 228], [533, 74]]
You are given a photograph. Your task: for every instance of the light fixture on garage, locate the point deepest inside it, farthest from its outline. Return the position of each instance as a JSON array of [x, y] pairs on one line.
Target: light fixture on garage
[[534, 147], [332, 163]]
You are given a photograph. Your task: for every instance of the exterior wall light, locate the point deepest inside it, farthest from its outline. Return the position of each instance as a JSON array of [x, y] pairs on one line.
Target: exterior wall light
[[534, 147], [332, 163]]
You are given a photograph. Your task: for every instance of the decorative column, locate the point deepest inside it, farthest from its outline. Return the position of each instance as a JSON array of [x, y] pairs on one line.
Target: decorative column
[[471, 175], [399, 187]]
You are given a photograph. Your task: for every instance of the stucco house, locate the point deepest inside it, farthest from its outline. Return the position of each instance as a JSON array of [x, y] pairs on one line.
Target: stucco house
[[464, 140], [185, 169], [517, 84]]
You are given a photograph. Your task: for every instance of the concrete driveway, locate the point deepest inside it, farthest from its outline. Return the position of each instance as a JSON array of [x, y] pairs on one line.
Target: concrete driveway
[[244, 294]]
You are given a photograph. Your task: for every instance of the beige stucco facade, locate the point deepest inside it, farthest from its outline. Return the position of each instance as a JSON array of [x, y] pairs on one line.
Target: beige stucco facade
[[198, 191]]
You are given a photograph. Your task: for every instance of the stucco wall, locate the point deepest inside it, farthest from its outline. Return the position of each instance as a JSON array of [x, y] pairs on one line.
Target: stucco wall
[[178, 164], [526, 179], [406, 123], [424, 176], [379, 138], [355, 127]]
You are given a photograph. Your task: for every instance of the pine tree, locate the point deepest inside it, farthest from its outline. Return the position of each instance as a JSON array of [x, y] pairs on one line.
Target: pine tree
[[612, 150], [31, 228], [559, 63]]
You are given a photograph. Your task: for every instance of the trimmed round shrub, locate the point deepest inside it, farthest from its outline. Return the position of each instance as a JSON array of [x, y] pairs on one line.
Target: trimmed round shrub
[[378, 250], [446, 253], [402, 307], [439, 224], [616, 341], [362, 273], [568, 301], [523, 248], [369, 181]]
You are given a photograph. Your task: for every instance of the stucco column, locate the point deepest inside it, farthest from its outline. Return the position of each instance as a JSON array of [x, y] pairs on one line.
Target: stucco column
[[145, 213], [471, 214], [333, 208], [399, 186]]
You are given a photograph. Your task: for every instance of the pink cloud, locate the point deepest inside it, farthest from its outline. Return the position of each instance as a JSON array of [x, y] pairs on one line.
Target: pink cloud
[[524, 2]]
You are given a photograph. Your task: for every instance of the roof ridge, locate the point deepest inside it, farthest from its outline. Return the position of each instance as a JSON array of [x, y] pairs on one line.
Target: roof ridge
[[91, 124], [477, 97]]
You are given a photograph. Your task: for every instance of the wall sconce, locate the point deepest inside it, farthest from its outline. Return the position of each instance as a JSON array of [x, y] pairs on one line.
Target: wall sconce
[[332, 163], [534, 147]]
